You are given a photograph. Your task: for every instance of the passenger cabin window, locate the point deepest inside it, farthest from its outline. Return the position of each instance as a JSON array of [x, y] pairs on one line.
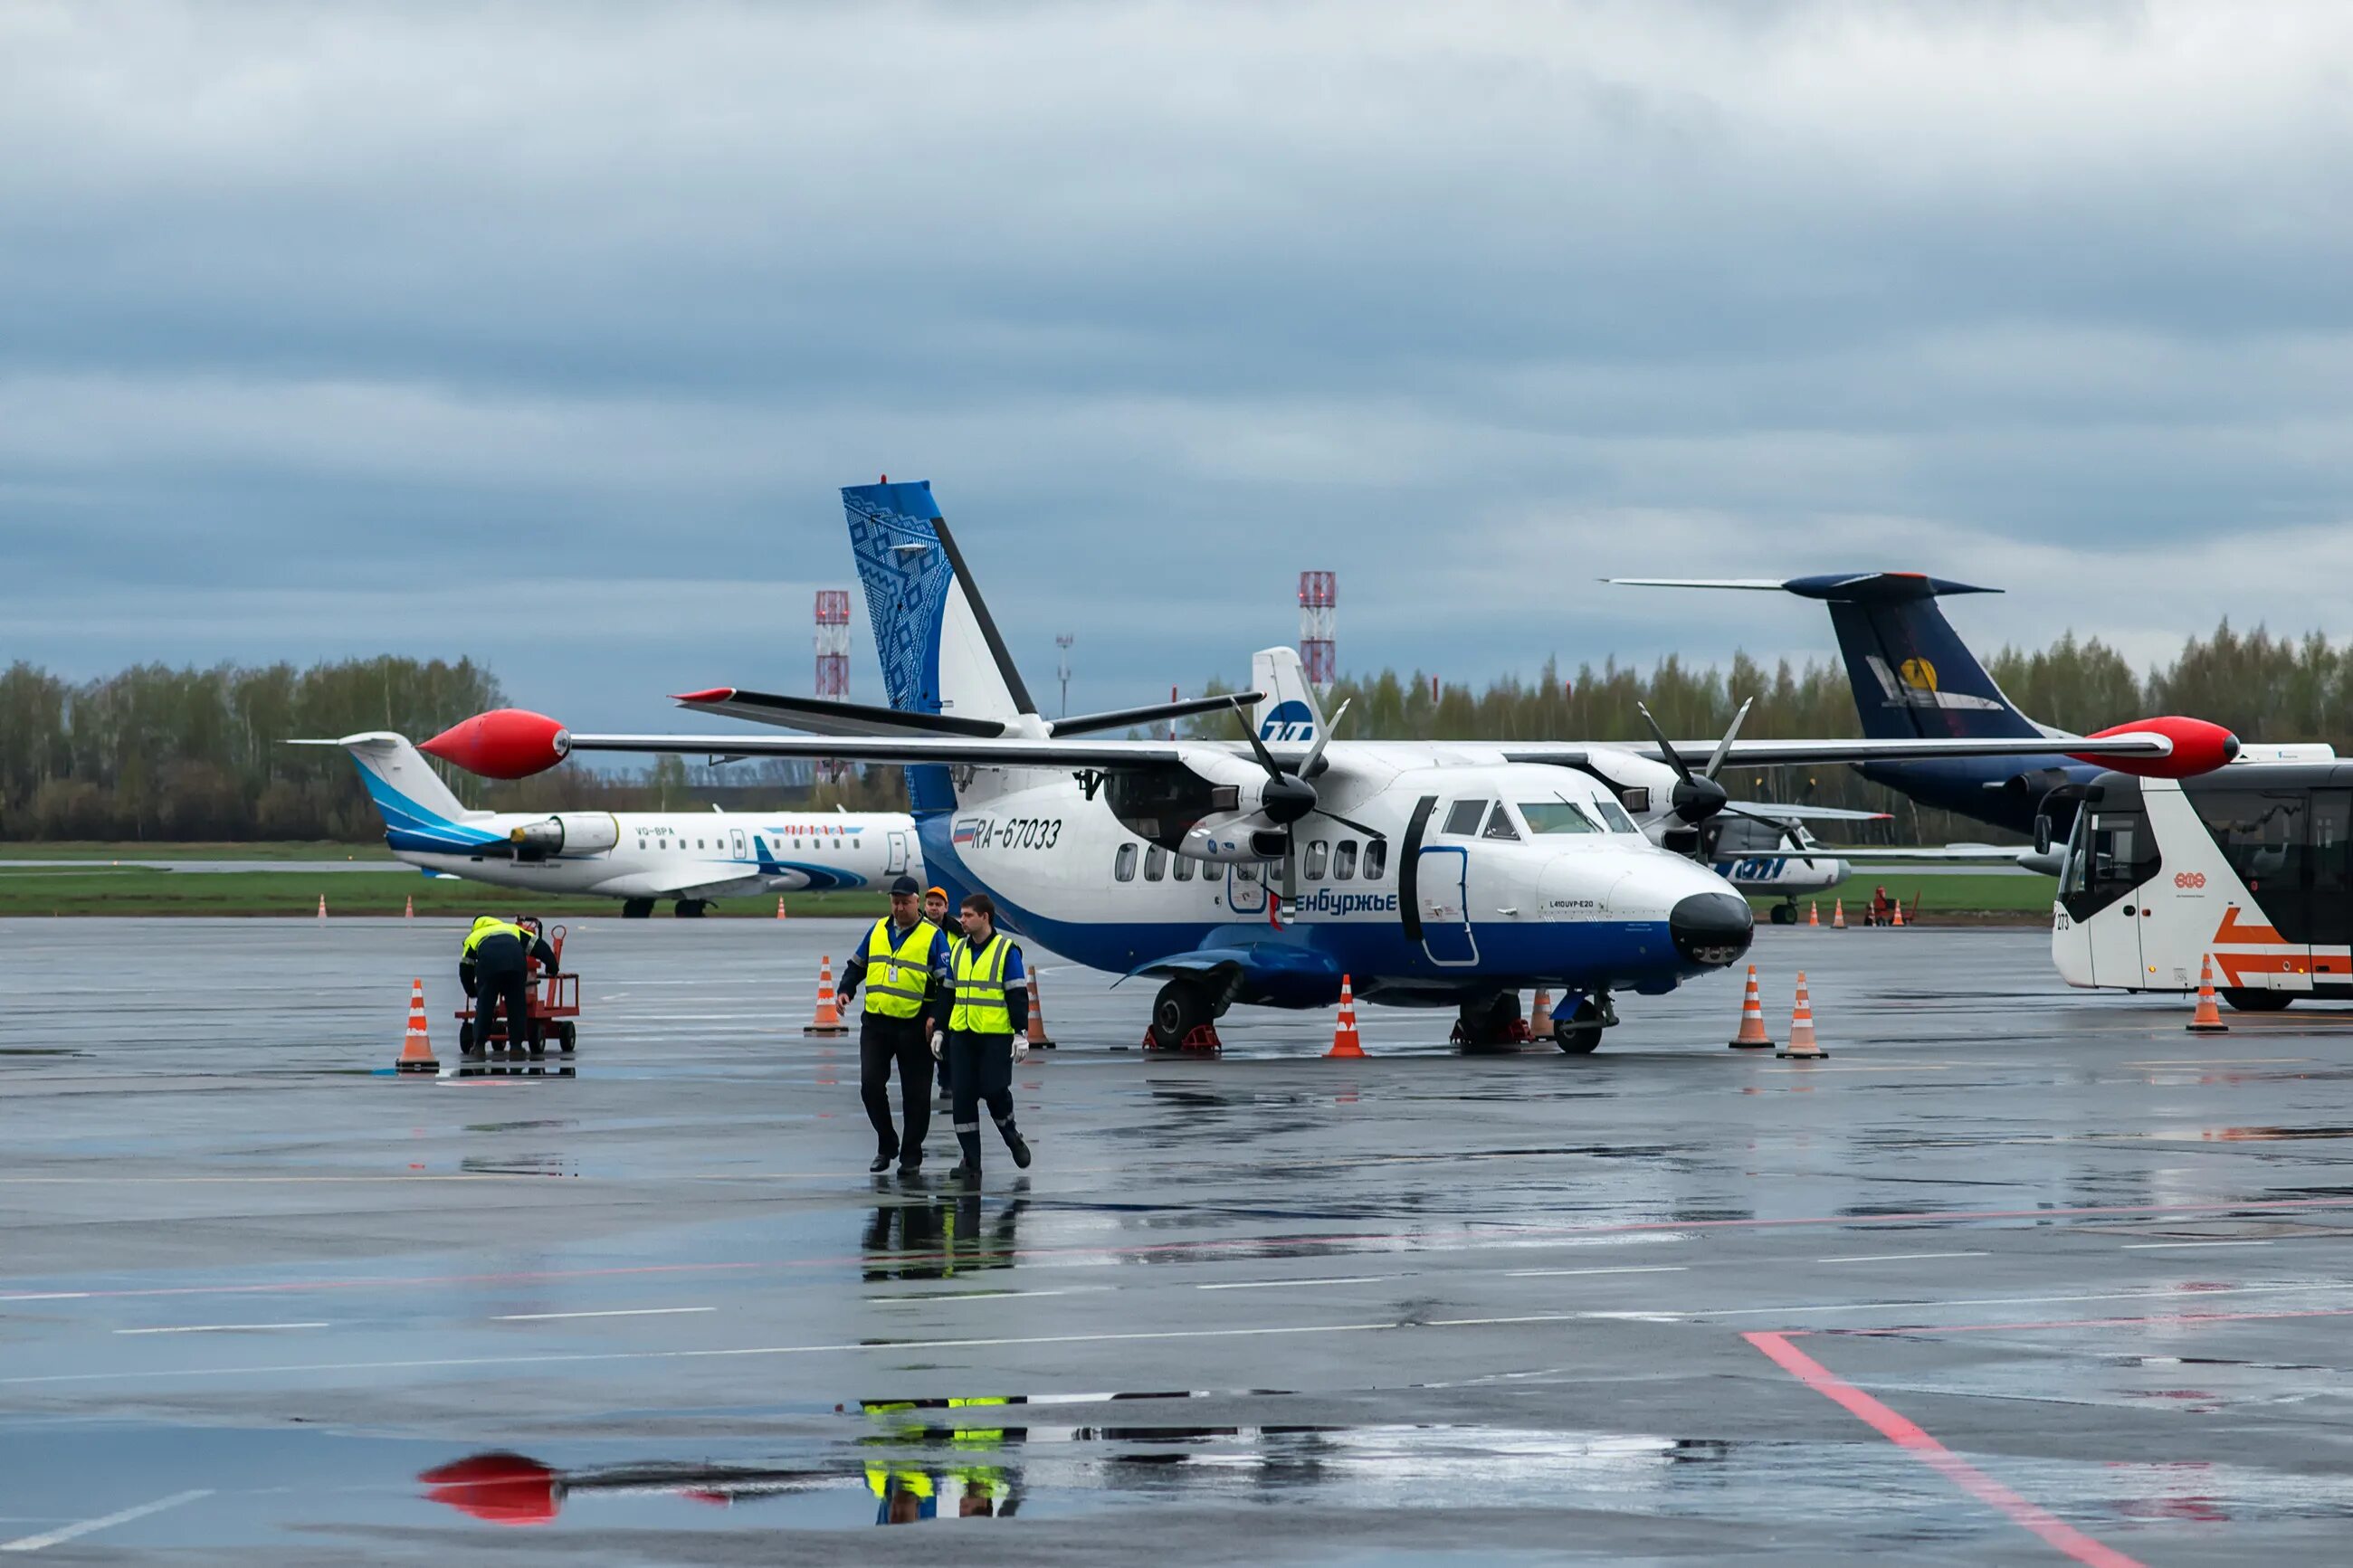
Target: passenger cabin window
[[1156, 863], [1124, 865], [1498, 824], [1318, 853], [1183, 867], [1376, 859], [1546, 816], [1462, 817], [1343, 861]]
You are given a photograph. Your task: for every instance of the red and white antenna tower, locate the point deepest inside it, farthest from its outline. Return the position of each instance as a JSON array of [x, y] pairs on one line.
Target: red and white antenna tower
[[833, 642], [1318, 593]]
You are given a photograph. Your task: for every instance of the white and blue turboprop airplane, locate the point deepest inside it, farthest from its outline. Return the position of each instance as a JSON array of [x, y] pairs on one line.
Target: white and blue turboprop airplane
[[1262, 870]]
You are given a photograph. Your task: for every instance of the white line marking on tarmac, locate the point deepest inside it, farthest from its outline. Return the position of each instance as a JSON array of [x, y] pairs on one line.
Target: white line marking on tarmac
[[91, 1526], [619, 1312], [2174, 1246], [1898, 1257], [219, 1328], [1278, 1284], [1629, 1269]]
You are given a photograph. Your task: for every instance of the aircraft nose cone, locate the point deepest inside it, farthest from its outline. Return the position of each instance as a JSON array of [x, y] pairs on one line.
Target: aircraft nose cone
[[1710, 929]]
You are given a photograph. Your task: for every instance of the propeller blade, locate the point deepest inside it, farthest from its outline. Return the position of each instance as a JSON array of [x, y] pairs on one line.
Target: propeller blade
[[1732, 732], [1314, 764], [1360, 827], [1290, 873], [1674, 759], [1258, 746]]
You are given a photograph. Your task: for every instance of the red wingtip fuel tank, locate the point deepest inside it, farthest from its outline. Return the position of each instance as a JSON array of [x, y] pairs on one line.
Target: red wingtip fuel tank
[[2199, 747], [504, 744]]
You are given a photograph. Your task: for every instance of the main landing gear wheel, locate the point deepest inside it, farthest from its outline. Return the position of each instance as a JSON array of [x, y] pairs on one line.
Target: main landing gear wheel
[[1785, 914], [2257, 1001], [690, 909], [1181, 1007], [1489, 1023], [1577, 1030], [637, 909]]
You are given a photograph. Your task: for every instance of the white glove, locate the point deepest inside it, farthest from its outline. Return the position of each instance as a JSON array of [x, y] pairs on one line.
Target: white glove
[[1021, 1047], [939, 1042]]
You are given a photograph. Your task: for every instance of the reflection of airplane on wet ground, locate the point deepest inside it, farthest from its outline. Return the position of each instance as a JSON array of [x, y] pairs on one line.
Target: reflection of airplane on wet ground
[[1913, 678], [502, 1488], [636, 856], [1435, 874]]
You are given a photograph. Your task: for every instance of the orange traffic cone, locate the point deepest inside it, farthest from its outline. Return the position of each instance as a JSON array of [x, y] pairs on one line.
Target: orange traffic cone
[[408, 908], [1037, 1040], [1838, 915], [415, 1049], [1813, 911], [322, 906], [2208, 1019], [1802, 1044], [828, 1016], [1896, 918], [780, 905], [1344, 1042], [1540, 1016], [1752, 1034]]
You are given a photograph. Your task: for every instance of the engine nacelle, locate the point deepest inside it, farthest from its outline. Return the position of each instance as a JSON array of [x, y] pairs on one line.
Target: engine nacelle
[[567, 833], [1211, 811]]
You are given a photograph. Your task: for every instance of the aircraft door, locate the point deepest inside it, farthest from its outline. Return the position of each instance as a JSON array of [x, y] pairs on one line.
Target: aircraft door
[[735, 838], [1246, 889], [898, 853], [1442, 897]]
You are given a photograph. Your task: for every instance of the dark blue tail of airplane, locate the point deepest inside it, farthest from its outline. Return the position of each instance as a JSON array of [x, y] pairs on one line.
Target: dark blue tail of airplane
[[1913, 678]]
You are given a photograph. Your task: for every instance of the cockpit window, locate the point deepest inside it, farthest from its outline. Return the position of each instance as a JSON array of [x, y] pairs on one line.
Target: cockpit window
[[1557, 816], [1499, 823], [1615, 816], [1462, 816]]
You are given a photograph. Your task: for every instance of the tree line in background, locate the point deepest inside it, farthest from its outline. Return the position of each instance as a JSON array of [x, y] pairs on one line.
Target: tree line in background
[[158, 753]]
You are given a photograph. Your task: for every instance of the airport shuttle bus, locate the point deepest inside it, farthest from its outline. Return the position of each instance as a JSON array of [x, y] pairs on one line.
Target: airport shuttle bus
[[2252, 864]]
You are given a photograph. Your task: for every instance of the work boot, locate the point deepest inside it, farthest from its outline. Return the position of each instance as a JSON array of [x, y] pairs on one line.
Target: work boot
[[965, 1172], [1016, 1143], [912, 1164]]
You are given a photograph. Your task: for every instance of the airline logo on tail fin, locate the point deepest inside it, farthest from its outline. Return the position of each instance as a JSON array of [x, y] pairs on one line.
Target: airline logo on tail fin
[[1913, 684], [1288, 714]]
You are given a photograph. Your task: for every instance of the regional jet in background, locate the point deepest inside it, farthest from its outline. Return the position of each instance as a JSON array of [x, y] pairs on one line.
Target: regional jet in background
[[638, 857], [1913, 678], [1426, 873]]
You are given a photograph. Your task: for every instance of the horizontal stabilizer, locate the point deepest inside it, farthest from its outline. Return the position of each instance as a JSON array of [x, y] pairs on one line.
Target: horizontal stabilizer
[[1836, 587]]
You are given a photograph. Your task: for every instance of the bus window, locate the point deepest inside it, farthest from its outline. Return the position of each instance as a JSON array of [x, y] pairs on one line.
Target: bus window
[[2112, 854], [2261, 834], [2331, 846]]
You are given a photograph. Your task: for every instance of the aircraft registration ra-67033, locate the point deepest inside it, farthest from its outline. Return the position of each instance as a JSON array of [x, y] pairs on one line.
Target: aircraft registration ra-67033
[[638, 857], [1264, 871]]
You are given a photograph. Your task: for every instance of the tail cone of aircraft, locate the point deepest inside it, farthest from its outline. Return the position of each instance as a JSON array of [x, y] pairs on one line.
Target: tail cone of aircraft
[[504, 744]]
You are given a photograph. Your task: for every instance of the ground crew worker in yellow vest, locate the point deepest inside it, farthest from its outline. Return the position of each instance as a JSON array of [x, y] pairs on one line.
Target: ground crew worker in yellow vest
[[936, 913], [986, 1032], [494, 966], [904, 968]]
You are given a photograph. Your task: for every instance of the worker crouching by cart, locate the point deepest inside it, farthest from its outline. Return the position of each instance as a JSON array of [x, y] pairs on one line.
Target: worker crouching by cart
[[494, 968]]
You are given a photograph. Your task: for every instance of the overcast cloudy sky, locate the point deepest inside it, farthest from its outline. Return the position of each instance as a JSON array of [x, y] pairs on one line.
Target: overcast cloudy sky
[[546, 332]]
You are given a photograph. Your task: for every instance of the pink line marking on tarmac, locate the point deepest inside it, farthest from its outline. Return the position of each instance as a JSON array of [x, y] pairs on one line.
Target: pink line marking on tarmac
[[1499, 1237], [1914, 1440]]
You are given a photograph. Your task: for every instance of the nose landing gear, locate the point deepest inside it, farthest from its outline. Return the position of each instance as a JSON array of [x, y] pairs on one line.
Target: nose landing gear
[[1577, 1030]]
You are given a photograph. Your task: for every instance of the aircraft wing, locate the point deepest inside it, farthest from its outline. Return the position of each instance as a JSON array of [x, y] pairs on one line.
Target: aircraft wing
[[994, 752], [1785, 811], [1766, 753]]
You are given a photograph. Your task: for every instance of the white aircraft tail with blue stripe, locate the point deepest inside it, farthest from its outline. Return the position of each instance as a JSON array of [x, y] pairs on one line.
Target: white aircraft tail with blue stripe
[[1288, 714], [418, 810]]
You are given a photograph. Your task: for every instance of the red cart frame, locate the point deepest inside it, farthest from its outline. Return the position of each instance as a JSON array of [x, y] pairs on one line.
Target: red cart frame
[[555, 1007]]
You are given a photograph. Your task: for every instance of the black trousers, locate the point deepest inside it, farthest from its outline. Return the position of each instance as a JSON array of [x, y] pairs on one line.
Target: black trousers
[[880, 1042], [982, 1065], [495, 987]]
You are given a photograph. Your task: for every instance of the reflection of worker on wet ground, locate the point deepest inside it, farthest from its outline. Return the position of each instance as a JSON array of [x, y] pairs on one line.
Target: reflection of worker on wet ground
[[982, 1486], [939, 1239], [494, 968], [904, 968], [987, 1032]]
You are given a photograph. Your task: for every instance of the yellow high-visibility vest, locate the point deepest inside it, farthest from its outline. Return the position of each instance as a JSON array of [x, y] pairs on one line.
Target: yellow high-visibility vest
[[897, 977], [489, 926], [980, 1007]]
